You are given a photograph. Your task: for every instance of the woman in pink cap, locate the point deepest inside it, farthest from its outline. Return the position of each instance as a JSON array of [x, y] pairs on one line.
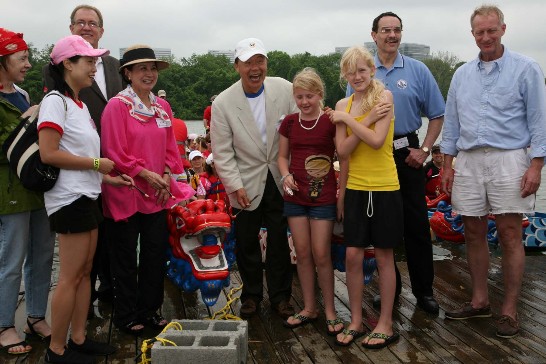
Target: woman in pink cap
[[69, 141], [26, 243]]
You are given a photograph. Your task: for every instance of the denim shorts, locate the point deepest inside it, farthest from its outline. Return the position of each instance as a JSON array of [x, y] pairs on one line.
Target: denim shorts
[[323, 212]]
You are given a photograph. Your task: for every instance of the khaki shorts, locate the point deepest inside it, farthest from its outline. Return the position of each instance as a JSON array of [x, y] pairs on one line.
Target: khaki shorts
[[488, 180]]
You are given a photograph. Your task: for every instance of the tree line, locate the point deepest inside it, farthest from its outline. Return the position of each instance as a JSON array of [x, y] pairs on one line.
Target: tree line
[[190, 82]]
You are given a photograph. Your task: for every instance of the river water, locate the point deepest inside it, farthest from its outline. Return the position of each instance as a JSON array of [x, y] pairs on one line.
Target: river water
[[196, 126]]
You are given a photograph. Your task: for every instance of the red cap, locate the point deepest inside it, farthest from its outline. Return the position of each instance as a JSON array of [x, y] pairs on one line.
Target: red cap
[[11, 42]]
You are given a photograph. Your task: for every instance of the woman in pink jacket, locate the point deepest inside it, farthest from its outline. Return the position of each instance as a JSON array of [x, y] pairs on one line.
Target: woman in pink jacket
[[137, 135]]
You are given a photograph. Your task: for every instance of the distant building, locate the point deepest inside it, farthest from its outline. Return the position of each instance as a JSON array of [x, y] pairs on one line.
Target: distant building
[[159, 52], [413, 50], [229, 54]]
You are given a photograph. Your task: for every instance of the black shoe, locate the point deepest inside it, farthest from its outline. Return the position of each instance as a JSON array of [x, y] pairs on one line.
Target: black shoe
[[69, 357], [284, 309], [92, 347], [129, 328], [428, 304], [249, 308], [376, 302], [155, 321]]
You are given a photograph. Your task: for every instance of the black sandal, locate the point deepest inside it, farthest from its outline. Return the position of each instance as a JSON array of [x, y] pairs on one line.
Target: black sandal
[[9, 346], [128, 328], [156, 321], [34, 332]]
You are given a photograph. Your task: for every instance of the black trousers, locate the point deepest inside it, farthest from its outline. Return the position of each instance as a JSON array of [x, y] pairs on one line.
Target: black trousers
[[278, 269], [137, 280], [417, 239]]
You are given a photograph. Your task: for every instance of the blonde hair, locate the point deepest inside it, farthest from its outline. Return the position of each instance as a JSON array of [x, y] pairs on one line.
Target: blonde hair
[[348, 64], [486, 10], [309, 80]]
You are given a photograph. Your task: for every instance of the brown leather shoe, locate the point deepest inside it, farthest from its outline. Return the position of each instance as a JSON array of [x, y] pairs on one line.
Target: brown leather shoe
[[248, 308], [466, 311], [507, 327], [284, 309]]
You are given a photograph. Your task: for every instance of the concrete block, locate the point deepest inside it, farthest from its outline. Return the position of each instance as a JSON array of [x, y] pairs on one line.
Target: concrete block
[[204, 342]]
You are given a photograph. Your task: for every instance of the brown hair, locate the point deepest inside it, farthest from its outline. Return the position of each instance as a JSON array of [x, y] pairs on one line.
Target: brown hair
[[486, 10], [73, 15]]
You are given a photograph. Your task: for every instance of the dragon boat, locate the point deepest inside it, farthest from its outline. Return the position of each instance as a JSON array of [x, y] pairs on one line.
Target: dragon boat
[[202, 248], [448, 226]]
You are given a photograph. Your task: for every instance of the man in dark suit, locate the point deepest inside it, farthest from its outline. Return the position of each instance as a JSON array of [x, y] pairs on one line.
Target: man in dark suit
[[87, 22]]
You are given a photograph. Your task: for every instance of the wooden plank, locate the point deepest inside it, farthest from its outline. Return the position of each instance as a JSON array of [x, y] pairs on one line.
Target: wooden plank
[[459, 278]]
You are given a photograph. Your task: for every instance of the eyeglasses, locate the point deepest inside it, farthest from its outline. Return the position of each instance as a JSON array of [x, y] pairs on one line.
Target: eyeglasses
[[396, 30], [90, 24]]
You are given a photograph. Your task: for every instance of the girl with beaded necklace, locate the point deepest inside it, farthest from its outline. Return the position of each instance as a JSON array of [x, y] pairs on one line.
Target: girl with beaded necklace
[[306, 155]]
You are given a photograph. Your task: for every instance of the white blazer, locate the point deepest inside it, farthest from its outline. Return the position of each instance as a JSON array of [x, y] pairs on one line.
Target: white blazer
[[240, 157]]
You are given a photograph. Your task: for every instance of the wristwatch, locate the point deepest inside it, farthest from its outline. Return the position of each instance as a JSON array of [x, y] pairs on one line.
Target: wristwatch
[[425, 149]]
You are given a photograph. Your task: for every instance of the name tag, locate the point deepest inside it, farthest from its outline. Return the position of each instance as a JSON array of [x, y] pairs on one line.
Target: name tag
[[162, 123], [401, 143]]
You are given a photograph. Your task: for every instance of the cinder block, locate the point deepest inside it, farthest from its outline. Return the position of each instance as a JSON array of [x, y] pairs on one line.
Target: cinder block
[[204, 342]]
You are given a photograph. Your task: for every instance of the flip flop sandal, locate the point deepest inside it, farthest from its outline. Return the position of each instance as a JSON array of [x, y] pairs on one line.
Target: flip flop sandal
[[387, 340], [346, 332], [304, 320], [333, 323]]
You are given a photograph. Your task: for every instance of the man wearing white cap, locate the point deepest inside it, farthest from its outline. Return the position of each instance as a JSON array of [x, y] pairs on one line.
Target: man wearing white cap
[[245, 119]]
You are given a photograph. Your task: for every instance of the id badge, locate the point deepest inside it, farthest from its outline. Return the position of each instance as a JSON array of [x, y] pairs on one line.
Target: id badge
[[162, 123], [401, 143]]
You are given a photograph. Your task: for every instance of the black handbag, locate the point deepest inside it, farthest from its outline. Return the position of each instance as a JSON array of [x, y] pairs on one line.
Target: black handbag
[[21, 148]]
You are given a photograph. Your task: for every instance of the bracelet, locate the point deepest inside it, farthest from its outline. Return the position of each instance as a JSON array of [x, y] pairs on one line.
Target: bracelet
[[167, 173], [283, 177], [96, 164]]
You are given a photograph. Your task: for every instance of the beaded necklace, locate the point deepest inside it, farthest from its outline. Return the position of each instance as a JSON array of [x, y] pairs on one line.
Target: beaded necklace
[[315, 124]]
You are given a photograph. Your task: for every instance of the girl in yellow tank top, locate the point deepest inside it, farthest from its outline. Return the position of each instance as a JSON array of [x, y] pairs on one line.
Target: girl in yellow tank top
[[369, 188]]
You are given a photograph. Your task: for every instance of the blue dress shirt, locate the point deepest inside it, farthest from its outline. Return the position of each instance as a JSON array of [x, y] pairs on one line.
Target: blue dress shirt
[[504, 109]]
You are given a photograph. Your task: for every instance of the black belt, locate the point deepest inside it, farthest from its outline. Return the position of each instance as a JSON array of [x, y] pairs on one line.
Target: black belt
[[412, 134]]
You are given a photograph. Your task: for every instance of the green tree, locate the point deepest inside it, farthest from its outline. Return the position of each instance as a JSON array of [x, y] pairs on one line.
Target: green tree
[[33, 80], [190, 82], [442, 65], [278, 64]]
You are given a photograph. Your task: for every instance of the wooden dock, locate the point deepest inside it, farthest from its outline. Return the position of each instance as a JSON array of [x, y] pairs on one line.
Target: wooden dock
[[424, 338]]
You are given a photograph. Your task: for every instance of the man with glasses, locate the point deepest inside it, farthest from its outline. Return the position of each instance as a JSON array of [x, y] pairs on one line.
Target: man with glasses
[[415, 93], [87, 22], [496, 109]]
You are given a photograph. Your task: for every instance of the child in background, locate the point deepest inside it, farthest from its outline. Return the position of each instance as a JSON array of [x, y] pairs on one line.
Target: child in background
[[214, 187], [306, 154], [370, 196]]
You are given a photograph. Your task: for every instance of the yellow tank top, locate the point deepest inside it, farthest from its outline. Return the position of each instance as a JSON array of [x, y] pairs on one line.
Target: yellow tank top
[[372, 169]]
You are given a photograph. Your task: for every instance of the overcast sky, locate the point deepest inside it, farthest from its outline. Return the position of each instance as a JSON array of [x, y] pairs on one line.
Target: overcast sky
[[293, 26]]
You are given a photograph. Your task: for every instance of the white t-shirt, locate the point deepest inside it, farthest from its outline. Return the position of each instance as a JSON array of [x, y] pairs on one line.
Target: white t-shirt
[[79, 137], [257, 105]]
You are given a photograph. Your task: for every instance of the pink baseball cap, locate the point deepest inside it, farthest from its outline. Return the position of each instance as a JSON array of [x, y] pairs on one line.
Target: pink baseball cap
[[74, 45]]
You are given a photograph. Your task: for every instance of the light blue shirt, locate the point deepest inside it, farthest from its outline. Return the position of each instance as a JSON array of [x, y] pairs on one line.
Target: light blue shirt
[[414, 89], [504, 109]]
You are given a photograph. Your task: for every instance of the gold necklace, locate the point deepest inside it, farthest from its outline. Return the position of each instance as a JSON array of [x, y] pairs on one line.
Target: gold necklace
[[315, 124]]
